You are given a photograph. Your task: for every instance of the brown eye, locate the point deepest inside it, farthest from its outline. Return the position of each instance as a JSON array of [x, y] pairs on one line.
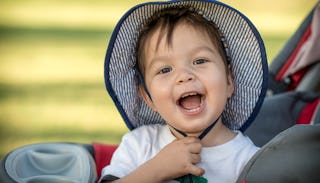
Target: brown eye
[[165, 70], [199, 61]]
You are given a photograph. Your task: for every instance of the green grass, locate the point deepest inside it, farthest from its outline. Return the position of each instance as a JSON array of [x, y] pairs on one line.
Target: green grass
[[74, 112], [51, 66], [52, 88]]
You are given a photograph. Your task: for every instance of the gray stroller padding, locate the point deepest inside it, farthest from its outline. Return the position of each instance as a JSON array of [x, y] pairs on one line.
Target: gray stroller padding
[[278, 113], [50, 163], [292, 156]]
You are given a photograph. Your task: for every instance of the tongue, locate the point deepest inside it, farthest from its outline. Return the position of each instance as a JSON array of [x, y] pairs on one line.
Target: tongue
[[190, 102]]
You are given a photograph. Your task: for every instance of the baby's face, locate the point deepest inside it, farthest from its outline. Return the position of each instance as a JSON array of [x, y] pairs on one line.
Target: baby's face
[[187, 79]]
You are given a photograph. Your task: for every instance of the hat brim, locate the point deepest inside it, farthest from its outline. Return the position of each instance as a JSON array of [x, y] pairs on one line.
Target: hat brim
[[248, 63]]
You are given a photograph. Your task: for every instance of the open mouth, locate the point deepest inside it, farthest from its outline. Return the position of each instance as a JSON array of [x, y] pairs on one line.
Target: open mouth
[[191, 102]]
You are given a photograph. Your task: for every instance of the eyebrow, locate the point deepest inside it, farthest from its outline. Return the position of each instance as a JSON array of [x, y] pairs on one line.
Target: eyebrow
[[205, 48]]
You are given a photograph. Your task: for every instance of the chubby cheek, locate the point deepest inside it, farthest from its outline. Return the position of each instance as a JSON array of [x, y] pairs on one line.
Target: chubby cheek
[[221, 87], [161, 94]]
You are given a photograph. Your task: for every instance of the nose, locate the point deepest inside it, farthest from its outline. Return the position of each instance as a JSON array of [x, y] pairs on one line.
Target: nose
[[185, 76]]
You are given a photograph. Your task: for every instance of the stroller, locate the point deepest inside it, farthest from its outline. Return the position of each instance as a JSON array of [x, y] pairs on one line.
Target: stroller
[[294, 84], [286, 128]]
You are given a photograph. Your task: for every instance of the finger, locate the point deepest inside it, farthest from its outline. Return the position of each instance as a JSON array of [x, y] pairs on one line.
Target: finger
[[195, 148], [190, 140], [195, 158], [194, 170]]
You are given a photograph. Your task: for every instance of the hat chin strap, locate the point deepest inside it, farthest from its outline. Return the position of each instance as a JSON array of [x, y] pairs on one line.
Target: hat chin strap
[[204, 133], [189, 177]]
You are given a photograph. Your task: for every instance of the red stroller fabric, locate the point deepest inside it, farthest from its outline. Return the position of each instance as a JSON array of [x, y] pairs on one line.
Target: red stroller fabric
[[102, 155]]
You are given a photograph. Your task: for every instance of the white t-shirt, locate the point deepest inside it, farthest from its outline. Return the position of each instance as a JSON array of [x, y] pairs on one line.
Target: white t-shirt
[[222, 163]]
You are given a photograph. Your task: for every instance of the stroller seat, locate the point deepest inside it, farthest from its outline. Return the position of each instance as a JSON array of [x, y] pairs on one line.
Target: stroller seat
[[50, 163]]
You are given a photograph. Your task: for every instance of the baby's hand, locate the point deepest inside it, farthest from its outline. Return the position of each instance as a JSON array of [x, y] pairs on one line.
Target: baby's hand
[[179, 158]]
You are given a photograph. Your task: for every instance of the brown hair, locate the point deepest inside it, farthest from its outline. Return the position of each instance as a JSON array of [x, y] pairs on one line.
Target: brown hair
[[167, 20]]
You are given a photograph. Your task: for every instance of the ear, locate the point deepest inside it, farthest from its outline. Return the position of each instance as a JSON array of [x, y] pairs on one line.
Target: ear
[[146, 98], [230, 83]]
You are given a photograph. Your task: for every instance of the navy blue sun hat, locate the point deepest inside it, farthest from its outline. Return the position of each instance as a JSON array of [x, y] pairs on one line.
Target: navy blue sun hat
[[247, 52]]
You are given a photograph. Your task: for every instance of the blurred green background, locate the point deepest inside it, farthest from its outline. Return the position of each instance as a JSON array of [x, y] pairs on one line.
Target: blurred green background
[[51, 67]]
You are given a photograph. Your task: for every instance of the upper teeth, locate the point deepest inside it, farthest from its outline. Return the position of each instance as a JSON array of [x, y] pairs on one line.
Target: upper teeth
[[188, 94]]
